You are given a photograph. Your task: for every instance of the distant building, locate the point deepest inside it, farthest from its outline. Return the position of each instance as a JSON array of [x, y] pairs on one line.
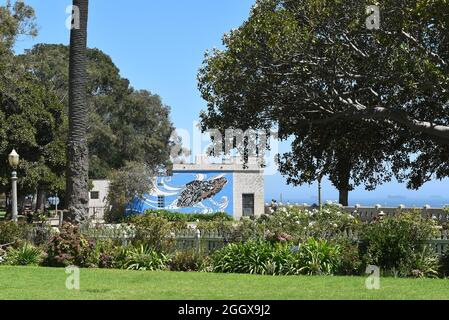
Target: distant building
[[202, 188], [98, 199]]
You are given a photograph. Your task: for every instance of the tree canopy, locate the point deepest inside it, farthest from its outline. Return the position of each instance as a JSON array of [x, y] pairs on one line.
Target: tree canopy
[[313, 69], [124, 124], [31, 116]]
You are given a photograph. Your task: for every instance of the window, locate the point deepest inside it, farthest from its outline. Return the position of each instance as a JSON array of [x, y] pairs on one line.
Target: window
[[95, 195], [248, 205], [160, 201]]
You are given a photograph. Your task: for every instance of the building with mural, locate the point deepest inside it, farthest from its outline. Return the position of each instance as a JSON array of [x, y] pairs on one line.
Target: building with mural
[[203, 187]]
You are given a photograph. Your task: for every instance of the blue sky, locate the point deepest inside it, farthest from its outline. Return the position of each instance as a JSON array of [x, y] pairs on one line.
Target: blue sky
[[159, 46]]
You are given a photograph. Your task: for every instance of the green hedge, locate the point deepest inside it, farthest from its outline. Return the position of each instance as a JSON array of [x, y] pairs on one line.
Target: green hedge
[[189, 217]]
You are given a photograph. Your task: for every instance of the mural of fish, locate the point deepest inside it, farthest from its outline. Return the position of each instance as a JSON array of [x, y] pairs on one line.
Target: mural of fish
[[197, 191]]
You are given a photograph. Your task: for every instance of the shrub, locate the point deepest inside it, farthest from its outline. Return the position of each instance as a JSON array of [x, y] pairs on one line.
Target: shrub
[[41, 234], [255, 257], [222, 227], [2, 256], [351, 263], [11, 232], [156, 232], [444, 264], [248, 230], [425, 264], [189, 217], [318, 257], [125, 184], [109, 255], [70, 247], [144, 258], [187, 260], [393, 243], [300, 224], [25, 255]]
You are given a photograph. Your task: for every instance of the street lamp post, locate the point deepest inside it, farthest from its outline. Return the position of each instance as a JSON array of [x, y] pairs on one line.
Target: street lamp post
[[14, 162]]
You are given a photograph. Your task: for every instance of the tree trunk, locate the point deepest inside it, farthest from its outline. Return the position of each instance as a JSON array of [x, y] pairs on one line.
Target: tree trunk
[[77, 149], [344, 197], [344, 177], [40, 199]]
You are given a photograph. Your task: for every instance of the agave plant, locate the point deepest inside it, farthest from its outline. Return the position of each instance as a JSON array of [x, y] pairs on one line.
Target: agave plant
[[25, 255], [145, 258]]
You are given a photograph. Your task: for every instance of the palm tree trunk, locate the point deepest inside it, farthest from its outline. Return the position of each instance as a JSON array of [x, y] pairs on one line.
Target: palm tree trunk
[[78, 155]]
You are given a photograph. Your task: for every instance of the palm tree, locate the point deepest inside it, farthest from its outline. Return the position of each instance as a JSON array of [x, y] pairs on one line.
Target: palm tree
[[78, 155]]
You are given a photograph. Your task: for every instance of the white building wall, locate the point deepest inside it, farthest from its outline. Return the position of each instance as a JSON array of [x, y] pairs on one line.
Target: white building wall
[[249, 182], [97, 207]]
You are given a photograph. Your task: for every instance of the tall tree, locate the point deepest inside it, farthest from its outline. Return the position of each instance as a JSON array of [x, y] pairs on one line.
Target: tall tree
[[32, 119], [313, 63], [77, 148], [125, 125]]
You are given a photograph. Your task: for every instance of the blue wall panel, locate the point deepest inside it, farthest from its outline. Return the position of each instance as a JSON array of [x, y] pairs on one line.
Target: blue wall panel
[[190, 192]]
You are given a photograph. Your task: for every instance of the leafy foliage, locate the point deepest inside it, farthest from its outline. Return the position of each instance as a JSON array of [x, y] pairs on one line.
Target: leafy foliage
[[314, 70], [351, 261], [69, 247], [300, 224], [186, 261], [144, 258], [24, 255], [187, 217], [11, 232], [126, 125], [31, 115], [394, 243], [318, 257], [155, 232], [125, 185], [255, 257]]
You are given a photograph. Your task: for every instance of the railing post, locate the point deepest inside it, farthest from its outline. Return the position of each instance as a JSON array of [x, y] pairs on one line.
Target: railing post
[[198, 240]]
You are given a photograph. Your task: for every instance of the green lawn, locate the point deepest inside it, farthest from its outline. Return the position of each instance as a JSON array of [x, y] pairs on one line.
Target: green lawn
[[47, 283]]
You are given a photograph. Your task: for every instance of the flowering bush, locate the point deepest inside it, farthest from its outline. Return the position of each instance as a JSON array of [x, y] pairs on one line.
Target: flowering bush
[[298, 224], [69, 247]]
